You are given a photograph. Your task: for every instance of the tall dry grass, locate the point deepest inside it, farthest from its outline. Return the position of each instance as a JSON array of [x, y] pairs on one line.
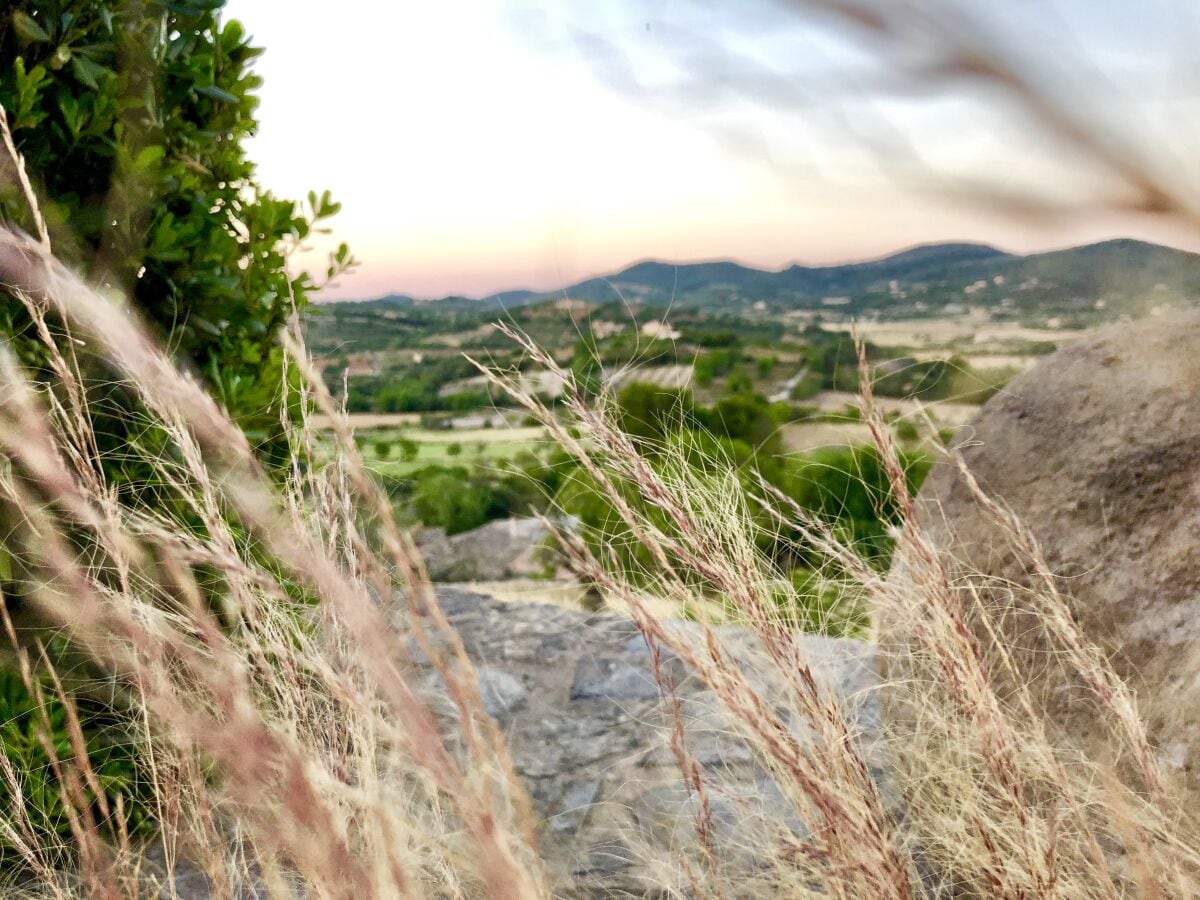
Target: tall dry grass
[[980, 795], [285, 737], [267, 657], [261, 638]]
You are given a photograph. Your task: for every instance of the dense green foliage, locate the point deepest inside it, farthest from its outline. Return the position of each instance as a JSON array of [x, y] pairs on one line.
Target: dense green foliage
[[459, 498], [414, 388], [738, 433], [31, 726], [131, 117]]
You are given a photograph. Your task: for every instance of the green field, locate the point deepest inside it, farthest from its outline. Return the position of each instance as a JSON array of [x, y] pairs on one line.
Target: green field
[[476, 448]]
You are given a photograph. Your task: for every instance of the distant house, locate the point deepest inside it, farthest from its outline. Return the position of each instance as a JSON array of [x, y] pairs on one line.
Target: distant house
[[659, 331], [603, 328]]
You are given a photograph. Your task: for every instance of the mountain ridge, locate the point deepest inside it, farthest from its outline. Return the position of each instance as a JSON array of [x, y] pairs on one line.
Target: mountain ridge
[[950, 267]]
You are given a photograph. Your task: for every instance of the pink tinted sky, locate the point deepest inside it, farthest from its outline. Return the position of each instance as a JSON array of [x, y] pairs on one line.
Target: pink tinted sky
[[475, 149]]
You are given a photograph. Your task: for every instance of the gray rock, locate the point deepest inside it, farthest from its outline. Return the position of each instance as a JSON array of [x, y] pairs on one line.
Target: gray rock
[[608, 678], [606, 859], [1097, 451], [575, 805], [501, 692], [505, 548], [589, 734], [588, 731], [671, 813], [709, 737]]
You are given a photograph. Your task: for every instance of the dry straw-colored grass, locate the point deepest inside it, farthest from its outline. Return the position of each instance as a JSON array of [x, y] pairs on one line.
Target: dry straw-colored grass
[[993, 801], [288, 741], [249, 629], [266, 658]]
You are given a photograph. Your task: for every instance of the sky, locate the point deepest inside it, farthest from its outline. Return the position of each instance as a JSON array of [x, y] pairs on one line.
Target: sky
[[484, 145]]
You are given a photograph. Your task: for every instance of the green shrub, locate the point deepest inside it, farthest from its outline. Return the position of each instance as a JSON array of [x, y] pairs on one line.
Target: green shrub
[[132, 117], [906, 430], [847, 487], [716, 363], [29, 724], [744, 417], [650, 413], [808, 386], [409, 449]]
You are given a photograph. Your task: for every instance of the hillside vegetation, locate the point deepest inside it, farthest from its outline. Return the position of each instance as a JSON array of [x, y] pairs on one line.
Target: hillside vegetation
[[1128, 277]]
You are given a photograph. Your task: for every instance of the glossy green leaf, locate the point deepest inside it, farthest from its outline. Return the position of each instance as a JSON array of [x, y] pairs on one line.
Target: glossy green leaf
[[88, 72], [29, 28], [215, 93], [148, 158]]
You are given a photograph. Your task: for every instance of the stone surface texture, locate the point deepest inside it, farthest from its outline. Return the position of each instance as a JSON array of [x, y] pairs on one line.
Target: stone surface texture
[[1097, 450], [589, 729], [505, 548], [589, 733]]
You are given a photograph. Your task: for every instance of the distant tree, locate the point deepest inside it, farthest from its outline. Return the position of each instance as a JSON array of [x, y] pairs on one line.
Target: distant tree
[[906, 430], [586, 367], [806, 387], [383, 448], [739, 383], [709, 366], [450, 499], [408, 449], [848, 487], [454, 449], [745, 417], [716, 339], [651, 412]]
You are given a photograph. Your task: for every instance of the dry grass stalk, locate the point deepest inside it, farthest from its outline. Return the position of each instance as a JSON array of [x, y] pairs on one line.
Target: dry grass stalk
[[995, 802], [853, 851], [331, 766]]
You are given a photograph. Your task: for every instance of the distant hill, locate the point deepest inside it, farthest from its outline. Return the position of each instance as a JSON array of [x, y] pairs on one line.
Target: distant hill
[[1113, 277]]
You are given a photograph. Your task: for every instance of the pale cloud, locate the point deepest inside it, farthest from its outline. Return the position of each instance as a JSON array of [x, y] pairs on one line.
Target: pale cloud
[[475, 146]]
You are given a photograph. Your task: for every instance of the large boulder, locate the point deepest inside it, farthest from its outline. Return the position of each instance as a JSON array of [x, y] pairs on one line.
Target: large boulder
[[590, 734], [504, 548], [591, 738], [1097, 450]]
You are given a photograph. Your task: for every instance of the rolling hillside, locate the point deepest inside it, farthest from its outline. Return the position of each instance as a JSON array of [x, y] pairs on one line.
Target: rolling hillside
[[1095, 282]]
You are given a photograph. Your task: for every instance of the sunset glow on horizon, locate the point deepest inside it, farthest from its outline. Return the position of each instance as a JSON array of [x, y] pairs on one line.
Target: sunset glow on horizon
[[474, 149]]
